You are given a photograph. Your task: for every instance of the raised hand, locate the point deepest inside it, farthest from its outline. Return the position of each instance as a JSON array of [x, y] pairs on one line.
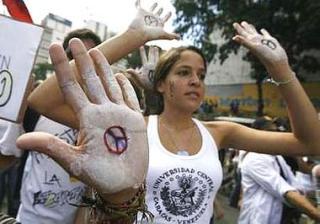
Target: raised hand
[[145, 75], [263, 45], [112, 151], [150, 23]]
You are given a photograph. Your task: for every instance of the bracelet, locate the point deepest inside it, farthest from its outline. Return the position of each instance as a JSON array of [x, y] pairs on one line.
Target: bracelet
[[103, 212], [279, 83]]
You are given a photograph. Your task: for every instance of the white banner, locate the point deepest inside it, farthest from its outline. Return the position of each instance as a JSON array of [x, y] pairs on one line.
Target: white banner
[[19, 43]]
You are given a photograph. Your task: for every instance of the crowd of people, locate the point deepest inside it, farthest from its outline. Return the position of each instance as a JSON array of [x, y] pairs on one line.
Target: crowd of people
[[94, 157]]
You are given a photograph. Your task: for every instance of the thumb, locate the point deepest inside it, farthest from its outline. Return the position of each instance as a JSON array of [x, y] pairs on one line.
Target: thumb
[[132, 72], [170, 36], [157, 33], [63, 153]]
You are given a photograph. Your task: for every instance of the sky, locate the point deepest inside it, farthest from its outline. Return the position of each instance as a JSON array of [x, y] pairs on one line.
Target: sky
[[116, 14]]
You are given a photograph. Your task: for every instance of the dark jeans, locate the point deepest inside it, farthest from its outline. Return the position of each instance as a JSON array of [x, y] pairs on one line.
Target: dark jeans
[[8, 181]]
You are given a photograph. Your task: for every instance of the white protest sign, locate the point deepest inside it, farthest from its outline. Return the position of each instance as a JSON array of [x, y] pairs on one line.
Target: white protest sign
[[19, 43]]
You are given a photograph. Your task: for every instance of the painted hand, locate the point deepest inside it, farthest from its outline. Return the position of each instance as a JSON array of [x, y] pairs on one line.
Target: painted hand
[[263, 45], [145, 75], [150, 24], [112, 151]]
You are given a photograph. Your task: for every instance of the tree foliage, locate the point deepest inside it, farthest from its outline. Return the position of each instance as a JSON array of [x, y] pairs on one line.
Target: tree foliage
[[295, 23], [41, 70], [133, 59]]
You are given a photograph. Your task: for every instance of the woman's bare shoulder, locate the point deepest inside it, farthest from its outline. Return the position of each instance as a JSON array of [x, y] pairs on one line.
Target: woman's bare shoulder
[[221, 130]]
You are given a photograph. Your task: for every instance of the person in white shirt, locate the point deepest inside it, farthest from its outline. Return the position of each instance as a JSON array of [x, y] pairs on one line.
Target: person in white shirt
[[268, 182]]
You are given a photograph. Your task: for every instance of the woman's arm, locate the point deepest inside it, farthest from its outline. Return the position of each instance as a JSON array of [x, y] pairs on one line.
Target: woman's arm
[[112, 151], [302, 114], [48, 100]]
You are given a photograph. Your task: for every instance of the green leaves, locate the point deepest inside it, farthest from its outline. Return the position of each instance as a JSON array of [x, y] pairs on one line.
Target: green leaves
[[294, 23]]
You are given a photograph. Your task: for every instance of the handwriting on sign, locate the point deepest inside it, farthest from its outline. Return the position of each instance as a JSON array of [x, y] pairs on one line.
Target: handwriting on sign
[[151, 21], [6, 84], [116, 140], [269, 43], [68, 135]]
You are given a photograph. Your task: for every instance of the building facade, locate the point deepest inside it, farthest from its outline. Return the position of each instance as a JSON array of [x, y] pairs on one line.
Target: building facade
[[55, 28]]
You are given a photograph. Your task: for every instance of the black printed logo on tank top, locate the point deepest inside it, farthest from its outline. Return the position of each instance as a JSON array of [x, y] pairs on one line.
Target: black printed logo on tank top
[[181, 195]]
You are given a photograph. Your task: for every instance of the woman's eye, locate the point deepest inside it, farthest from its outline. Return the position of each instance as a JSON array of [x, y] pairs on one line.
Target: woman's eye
[[183, 72], [202, 76]]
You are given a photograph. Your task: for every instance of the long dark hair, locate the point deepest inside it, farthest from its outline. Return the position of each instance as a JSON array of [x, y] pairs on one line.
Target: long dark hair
[[154, 99]]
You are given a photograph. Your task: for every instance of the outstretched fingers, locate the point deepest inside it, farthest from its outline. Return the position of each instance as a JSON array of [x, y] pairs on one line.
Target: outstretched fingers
[[143, 55], [159, 12], [155, 23], [57, 149], [166, 17], [249, 28], [242, 37], [128, 92], [153, 6], [153, 55], [241, 29], [265, 33], [138, 4], [87, 72], [107, 77], [70, 88]]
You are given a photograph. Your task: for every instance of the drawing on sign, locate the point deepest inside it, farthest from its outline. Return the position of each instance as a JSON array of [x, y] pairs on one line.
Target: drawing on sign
[[6, 84]]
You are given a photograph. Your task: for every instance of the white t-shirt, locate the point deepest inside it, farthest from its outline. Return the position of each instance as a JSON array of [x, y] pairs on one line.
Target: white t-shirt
[[47, 189], [263, 188], [9, 132], [181, 189]]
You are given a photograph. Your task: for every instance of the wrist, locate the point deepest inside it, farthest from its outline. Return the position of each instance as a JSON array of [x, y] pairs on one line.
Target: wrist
[[118, 209], [137, 34], [280, 71], [282, 82], [119, 197]]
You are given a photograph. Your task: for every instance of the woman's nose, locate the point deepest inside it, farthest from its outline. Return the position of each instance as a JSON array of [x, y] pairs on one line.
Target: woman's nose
[[194, 80]]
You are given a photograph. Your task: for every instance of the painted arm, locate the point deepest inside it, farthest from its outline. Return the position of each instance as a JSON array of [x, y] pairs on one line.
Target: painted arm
[[302, 203], [48, 100], [112, 151], [304, 140]]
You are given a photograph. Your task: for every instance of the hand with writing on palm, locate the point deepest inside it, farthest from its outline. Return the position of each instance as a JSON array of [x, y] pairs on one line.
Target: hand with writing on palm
[[263, 45], [144, 77], [150, 24], [112, 150]]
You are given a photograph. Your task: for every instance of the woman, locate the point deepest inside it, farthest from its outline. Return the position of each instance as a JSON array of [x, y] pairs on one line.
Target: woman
[[184, 172]]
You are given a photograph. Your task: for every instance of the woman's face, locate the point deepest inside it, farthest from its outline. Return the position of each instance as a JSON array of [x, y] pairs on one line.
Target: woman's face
[[184, 85]]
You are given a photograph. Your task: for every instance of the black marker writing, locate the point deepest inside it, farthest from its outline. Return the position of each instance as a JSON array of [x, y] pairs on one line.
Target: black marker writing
[[151, 21], [269, 43]]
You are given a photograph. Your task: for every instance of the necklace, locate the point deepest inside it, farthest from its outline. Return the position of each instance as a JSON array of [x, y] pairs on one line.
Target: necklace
[[179, 151]]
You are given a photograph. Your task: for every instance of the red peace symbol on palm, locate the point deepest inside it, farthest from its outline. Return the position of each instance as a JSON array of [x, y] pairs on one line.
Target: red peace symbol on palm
[[116, 139]]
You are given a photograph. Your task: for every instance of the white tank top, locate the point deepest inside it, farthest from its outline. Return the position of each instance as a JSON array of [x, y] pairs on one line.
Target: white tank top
[[181, 189]]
